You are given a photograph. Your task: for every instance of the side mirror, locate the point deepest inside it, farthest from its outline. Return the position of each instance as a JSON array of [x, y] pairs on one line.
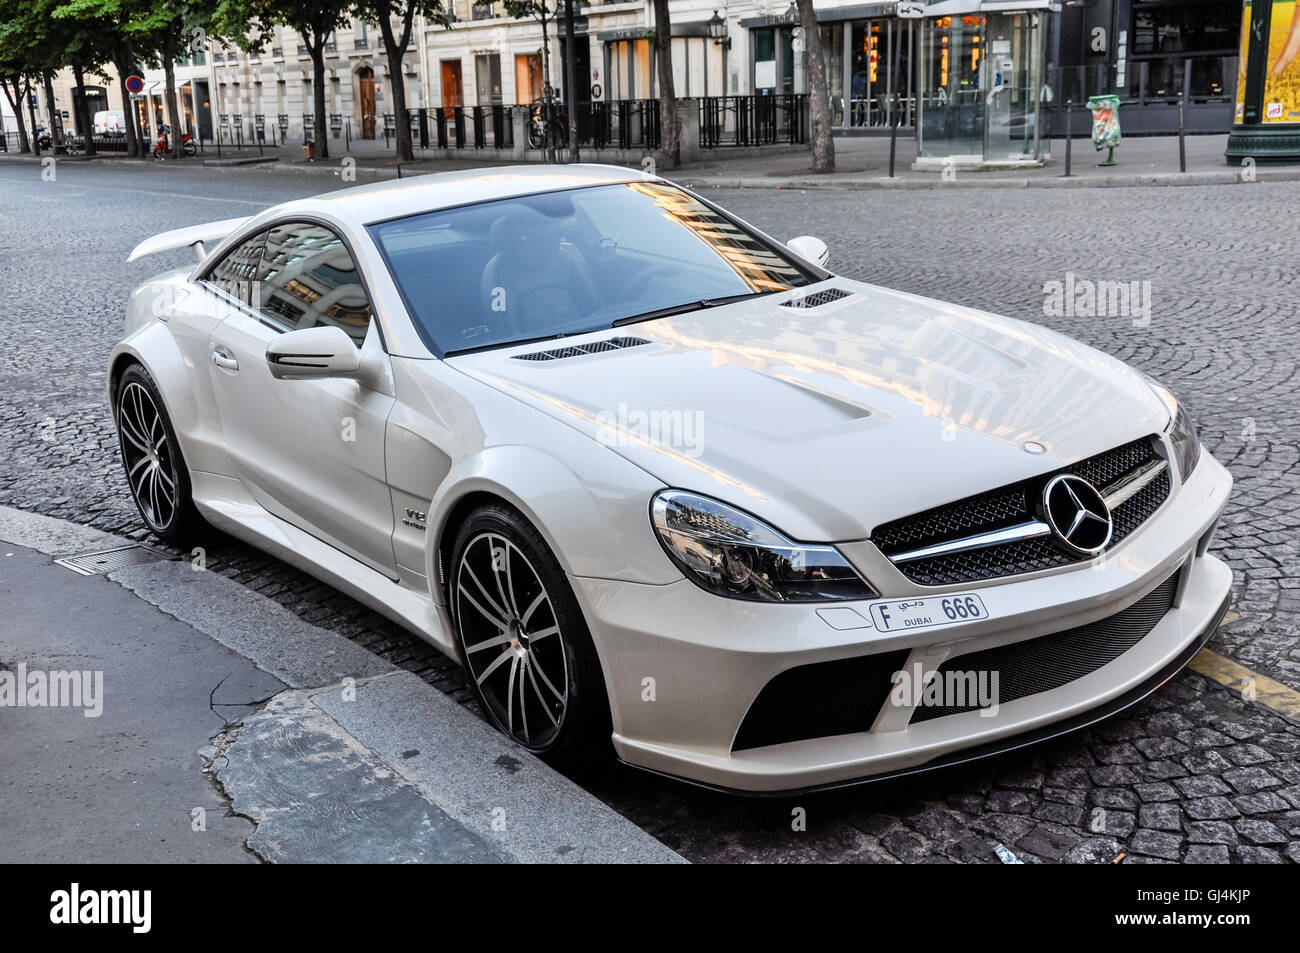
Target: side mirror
[[810, 249], [312, 353]]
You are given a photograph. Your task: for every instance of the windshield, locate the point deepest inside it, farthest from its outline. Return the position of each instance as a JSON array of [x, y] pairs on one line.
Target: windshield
[[560, 263]]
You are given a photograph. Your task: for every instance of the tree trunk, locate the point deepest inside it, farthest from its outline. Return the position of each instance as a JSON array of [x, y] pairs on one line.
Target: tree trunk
[[55, 120], [173, 112], [394, 50], [31, 114], [84, 128], [571, 81], [122, 62], [670, 131], [15, 100], [548, 94], [316, 46], [819, 93]]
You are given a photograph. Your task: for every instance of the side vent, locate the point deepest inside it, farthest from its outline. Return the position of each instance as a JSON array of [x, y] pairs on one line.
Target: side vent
[[577, 350], [817, 298]]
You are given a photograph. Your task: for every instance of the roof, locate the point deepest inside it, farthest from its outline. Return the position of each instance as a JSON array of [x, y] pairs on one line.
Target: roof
[[425, 193]]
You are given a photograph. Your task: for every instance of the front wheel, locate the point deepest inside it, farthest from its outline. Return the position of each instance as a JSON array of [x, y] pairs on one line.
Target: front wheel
[[525, 643], [190, 149], [155, 470]]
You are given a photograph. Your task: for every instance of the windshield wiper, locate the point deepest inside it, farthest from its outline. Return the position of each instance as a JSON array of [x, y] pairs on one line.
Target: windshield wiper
[[699, 305]]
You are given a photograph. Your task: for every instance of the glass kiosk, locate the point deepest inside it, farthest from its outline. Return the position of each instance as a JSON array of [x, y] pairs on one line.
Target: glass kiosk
[[981, 81]]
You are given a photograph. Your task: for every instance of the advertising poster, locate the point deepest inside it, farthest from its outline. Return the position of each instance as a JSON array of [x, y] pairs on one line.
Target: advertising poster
[[1282, 80]]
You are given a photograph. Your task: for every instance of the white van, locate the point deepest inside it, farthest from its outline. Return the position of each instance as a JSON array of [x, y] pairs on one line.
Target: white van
[[110, 123]]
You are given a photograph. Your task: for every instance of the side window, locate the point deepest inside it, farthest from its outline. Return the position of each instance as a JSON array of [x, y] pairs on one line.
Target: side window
[[235, 273], [308, 278]]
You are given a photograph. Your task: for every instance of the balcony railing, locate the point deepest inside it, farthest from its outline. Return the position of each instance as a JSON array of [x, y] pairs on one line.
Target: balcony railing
[[482, 11], [360, 43], [277, 52]]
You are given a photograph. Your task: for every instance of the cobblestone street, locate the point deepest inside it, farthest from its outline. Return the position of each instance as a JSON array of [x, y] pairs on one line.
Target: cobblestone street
[[1195, 773]]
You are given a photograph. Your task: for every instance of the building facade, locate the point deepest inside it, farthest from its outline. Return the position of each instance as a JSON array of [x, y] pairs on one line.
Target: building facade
[[975, 78]]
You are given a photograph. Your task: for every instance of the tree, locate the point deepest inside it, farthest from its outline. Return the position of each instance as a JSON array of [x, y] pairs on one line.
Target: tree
[[118, 22], [819, 94], [543, 14], [16, 56], [670, 128], [314, 20], [383, 13]]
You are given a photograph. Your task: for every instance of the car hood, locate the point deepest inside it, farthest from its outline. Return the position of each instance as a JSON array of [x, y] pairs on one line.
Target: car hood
[[829, 420]]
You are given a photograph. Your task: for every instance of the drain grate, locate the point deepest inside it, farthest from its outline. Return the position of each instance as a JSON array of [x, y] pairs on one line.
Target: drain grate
[[111, 560]]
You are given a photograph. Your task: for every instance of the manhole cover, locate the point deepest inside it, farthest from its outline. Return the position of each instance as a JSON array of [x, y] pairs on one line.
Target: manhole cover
[[111, 560]]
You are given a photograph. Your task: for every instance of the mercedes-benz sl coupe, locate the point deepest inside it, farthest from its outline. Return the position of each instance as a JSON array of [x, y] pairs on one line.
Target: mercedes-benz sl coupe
[[665, 484]]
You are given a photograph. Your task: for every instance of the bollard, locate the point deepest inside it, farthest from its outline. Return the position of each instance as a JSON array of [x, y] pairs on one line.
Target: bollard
[[1182, 141], [1069, 108]]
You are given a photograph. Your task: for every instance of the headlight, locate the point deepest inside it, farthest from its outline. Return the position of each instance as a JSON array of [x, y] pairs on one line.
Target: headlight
[[1181, 430], [1187, 446], [732, 554]]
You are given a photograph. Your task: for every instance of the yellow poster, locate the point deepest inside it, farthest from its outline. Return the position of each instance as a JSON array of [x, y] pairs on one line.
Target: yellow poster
[[1241, 64], [1282, 80]]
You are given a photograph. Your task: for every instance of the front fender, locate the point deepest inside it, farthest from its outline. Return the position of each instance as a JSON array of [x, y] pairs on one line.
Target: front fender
[[597, 525], [185, 391]]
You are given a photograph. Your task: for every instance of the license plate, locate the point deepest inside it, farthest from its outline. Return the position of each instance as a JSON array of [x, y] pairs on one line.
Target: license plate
[[927, 612]]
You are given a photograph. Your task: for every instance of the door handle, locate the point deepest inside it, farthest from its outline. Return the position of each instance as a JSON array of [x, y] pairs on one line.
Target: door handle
[[224, 359]]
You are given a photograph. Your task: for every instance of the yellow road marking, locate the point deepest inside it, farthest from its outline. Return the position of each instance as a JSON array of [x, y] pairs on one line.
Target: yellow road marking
[[1271, 694]]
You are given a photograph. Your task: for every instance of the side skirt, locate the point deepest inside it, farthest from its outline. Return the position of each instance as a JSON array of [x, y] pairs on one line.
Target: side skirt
[[226, 505]]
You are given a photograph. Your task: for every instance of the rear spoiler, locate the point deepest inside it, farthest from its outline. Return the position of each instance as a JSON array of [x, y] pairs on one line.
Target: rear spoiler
[[192, 236]]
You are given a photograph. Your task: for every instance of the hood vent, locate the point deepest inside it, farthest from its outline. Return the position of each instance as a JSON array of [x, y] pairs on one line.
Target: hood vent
[[578, 350], [817, 298]]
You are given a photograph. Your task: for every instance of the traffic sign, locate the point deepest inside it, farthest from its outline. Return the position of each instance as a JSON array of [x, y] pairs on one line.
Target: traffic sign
[[134, 85]]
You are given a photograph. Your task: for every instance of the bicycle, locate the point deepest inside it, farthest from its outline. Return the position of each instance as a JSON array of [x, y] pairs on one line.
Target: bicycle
[[542, 130]]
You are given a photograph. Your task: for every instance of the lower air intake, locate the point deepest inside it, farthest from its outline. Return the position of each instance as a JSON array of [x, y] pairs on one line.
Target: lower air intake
[[1050, 661]]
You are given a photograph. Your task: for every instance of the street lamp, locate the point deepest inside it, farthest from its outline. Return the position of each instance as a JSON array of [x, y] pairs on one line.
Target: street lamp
[[718, 31]]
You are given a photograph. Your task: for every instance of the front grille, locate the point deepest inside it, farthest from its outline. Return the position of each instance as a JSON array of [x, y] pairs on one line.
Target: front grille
[[1050, 661], [1008, 506], [819, 700]]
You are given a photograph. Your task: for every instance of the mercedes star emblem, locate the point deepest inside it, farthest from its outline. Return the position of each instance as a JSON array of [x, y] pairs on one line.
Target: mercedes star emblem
[[1077, 514]]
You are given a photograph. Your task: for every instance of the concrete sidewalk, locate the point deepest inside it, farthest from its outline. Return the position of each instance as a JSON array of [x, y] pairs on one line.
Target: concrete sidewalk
[[292, 743], [862, 162]]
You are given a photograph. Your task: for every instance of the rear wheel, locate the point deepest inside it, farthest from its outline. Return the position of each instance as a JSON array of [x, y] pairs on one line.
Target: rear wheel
[[151, 456], [527, 650]]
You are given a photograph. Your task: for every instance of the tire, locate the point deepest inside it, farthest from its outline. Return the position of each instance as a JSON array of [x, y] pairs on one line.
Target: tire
[[155, 469], [522, 635], [190, 149]]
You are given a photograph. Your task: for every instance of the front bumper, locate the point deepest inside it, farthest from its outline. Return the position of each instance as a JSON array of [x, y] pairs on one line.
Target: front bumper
[[683, 667]]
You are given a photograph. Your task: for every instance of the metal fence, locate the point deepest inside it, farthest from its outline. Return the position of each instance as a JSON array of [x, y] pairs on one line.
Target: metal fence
[[621, 124], [753, 120]]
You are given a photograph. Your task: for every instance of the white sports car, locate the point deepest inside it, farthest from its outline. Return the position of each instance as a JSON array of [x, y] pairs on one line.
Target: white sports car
[[663, 483]]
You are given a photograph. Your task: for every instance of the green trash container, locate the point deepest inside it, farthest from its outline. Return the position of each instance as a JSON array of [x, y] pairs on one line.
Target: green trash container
[[1105, 125]]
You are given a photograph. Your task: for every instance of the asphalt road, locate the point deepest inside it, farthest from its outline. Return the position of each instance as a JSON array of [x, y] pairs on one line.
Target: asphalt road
[[1194, 773]]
